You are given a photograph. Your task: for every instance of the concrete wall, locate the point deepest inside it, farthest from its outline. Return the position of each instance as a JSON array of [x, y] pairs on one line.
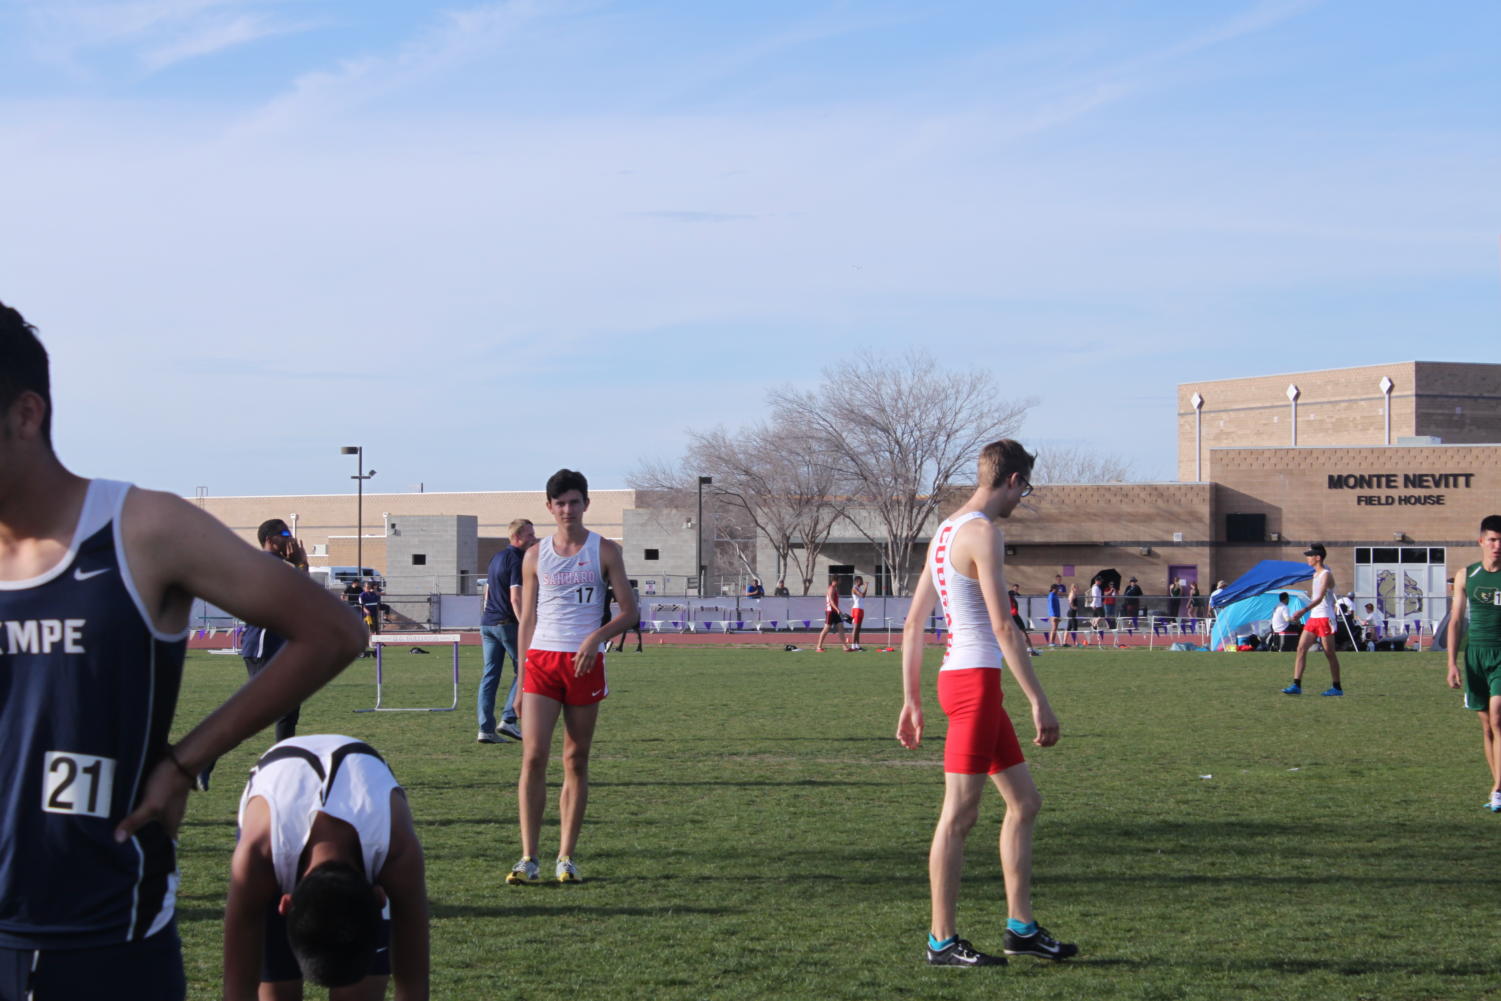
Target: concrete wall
[[433, 554]]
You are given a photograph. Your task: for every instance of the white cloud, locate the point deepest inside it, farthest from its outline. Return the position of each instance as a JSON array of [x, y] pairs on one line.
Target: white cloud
[[154, 33], [215, 36], [456, 38]]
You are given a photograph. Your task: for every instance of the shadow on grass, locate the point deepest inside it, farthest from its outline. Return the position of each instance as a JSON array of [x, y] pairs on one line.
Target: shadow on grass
[[583, 907]]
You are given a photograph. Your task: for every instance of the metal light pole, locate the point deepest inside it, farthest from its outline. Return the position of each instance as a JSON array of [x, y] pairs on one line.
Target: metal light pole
[[360, 476], [698, 528], [1198, 405]]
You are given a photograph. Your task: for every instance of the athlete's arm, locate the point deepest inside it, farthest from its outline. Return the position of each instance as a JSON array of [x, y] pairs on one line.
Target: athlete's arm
[[613, 564], [989, 553], [404, 879], [526, 610], [252, 889], [177, 551], [1456, 616], [914, 639]]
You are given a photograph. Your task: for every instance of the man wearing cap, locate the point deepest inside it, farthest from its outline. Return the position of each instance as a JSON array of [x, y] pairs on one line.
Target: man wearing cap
[[257, 645], [1320, 625]]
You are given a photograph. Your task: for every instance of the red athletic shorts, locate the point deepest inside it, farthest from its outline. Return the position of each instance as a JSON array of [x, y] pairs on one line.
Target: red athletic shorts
[[857, 615], [981, 740], [550, 673], [1320, 627]]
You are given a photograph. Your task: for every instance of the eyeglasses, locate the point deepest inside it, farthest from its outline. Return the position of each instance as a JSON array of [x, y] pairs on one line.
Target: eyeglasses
[[1027, 490]]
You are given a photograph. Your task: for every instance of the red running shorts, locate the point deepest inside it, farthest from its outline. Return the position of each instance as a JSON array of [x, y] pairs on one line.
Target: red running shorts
[[1320, 627], [981, 740], [549, 673]]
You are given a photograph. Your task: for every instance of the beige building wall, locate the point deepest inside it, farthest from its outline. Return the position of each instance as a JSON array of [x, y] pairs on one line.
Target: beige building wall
[[329, 519], [1410, 496], [1140, 529], [1457, 402]]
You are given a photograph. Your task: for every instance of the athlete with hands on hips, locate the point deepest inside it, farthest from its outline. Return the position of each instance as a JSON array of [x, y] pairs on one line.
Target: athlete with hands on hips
[[563, 580], [965, 574]]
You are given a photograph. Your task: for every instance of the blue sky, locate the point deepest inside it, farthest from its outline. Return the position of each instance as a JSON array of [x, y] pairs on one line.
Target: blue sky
[[485, 241]]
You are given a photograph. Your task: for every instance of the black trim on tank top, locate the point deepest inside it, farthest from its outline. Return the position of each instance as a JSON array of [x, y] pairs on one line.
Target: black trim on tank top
[[337, 759], [325, 778], [283, 753]]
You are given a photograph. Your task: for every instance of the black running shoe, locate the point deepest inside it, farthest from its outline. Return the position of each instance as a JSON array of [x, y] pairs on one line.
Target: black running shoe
[[1039, 944], [961, 953]]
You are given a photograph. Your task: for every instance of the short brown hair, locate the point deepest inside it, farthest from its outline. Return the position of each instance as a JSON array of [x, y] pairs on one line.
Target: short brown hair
[[516, 526], [1000, 459]]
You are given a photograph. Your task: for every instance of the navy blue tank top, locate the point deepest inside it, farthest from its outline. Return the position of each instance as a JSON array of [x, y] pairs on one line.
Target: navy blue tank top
[[88, 687]]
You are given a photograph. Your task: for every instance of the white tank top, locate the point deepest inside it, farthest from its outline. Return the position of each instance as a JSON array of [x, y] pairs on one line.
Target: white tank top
[[855, 598], [352, 787], [971, 641], [570, 595], [1325, 608]]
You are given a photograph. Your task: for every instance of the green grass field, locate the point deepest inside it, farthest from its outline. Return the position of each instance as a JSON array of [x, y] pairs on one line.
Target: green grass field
[[754, 831]]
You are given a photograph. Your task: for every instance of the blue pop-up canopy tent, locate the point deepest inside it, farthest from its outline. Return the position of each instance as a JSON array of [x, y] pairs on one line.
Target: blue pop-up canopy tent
[[1235, 619], [1262, 578], [1254, 584]]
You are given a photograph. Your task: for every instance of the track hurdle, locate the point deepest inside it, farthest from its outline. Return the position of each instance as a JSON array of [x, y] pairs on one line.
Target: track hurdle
[[381, 640]]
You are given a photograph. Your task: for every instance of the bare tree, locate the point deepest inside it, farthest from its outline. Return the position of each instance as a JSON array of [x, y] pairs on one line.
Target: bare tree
[[897, 433], [1079, 465], [768, 473], [729, 522]]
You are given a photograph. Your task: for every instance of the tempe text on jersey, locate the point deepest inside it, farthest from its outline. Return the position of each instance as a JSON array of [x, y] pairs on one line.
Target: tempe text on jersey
[[41, 636]]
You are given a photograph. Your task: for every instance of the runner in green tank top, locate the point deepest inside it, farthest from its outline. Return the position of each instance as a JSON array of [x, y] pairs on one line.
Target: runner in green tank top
[[1477, 590]]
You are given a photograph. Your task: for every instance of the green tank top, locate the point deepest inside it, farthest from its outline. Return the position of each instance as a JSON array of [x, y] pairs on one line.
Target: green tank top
[[1483, 597]]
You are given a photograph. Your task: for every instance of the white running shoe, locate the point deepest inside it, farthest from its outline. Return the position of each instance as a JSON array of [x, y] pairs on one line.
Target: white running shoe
[[525, 871], [567, 871]]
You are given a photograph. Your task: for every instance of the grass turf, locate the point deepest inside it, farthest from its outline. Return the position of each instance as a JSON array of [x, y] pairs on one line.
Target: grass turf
[[754, 831]]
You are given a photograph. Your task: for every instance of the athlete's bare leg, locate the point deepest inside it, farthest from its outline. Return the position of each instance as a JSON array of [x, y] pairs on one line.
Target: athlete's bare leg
[[822, 636], [578, 737], [280, 990], [961, 807], [855, 633], [1305, 643], [538, 720], [1022, 803], [1333, 659], [1493, 744], [1488, 742]]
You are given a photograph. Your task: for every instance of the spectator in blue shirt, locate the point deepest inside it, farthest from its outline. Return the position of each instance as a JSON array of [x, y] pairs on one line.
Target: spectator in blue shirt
[[497, 627]]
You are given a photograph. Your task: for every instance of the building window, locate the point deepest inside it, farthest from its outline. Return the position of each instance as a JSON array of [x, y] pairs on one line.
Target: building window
[[652, 554], [419, 559], [1245, 528]]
